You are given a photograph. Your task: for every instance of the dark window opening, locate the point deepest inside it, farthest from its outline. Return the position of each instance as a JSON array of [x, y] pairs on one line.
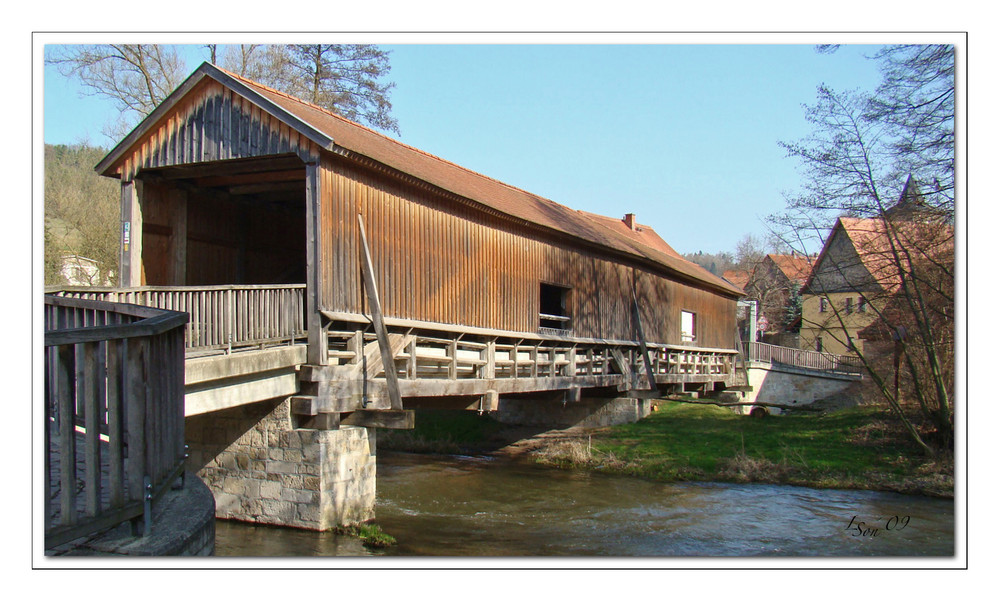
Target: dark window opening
[[554, 307]]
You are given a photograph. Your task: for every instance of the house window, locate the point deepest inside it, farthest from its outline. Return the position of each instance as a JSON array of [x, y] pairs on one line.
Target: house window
[[819, 344], [823, 304], [554, 307], [849, 305], [862, 305], [688, 324]]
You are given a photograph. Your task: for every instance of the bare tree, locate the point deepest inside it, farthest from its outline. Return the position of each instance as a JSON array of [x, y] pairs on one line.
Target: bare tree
[[345, 78], [348, 79], [134, 77], [852, 159]]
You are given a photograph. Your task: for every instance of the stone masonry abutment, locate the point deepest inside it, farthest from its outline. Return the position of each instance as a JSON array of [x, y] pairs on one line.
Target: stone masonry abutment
[[263, 469]]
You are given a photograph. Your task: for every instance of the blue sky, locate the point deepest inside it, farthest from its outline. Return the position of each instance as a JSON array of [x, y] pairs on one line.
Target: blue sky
[[684, 136]]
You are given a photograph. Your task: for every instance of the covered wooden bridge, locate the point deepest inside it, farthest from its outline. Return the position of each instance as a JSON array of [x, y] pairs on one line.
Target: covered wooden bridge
[[275, 223]]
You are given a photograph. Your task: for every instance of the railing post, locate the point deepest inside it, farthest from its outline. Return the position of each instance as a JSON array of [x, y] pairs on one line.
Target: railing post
[[230, 319]]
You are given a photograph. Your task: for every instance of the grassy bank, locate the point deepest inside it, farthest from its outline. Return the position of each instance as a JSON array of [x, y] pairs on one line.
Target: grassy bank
[[857, 448]]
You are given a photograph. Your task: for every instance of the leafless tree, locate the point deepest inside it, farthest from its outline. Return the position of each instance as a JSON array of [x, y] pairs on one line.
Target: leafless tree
[[134, 77], [851, 165]]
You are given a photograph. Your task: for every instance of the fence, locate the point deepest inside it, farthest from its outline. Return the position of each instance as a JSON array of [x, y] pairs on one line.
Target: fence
[[763, 352], [114, 414], [221, 317]]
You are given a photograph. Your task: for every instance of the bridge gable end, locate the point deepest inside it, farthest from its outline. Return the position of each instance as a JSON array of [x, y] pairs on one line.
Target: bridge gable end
[[211, 117]]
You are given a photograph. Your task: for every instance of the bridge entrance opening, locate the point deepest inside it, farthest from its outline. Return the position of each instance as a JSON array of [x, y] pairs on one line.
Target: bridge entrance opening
[[223, 223]]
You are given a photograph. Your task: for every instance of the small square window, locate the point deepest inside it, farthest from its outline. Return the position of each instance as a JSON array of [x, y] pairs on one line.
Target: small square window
[[554, 307], [823, 304], [849, 305]]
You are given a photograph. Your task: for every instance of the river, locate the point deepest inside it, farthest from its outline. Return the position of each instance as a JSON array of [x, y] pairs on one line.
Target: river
[[465, 506]]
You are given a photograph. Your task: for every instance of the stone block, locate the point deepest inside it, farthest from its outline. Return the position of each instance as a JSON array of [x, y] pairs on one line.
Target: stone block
[[270, 490], [276, 467], [279, 512], [300, 496], [292, 481], [233, 486], [227, 505]]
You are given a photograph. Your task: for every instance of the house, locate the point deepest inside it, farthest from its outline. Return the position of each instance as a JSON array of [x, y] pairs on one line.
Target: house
[[229, 182], [772, 282], [77, 270], [857, 279]]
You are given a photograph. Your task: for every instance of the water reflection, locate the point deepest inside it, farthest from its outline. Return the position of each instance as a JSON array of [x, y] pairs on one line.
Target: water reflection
[[463, 506]]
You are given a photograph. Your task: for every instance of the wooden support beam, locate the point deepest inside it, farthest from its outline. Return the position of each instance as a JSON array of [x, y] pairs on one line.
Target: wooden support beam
[[374, 355], [356, 344], [572, 395], [318, 349], [386, 419], [377, 392], [325, 421], [177, 267], [380, 331], [453, 356], [489, 355], [642, 342], [131, 236], [624, 366], [489, 402], [411, 360]]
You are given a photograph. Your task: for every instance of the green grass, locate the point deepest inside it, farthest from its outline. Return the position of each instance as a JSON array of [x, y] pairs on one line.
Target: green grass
[[370, 534], [856, 448]]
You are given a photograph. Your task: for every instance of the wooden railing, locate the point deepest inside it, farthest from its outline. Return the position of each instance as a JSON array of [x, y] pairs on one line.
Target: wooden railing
[[763, 352], [443, 355], [114, 414], [221, 317]]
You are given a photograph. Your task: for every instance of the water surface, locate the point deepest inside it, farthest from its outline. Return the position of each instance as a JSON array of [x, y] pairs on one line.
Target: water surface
[[462, 506]]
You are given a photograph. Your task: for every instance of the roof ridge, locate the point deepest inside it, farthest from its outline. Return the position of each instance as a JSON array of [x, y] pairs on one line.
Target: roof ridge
[[621, 242], [384, 136]]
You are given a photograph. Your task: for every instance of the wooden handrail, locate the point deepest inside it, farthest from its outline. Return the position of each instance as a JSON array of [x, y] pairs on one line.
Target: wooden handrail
[[221, 316], [114, 413]]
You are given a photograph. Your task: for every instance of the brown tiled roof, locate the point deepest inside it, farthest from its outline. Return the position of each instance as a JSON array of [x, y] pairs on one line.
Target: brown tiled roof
[[795, 267], [871, 240], [740, 278], [484, 190], [642, 234]]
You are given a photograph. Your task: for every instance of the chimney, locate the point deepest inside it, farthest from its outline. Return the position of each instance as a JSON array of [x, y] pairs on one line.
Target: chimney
[[629, 220]]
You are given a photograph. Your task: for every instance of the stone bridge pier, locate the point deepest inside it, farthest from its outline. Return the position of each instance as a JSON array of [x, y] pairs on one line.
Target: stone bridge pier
[[262, 468]]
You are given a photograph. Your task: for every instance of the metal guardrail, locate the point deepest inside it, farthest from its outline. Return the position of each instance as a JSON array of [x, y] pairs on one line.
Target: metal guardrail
[[114, 414], [815, 360]]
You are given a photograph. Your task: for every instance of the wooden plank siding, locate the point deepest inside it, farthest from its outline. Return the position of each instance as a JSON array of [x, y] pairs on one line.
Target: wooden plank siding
[[440, 261], [212, 123], [437, 257]]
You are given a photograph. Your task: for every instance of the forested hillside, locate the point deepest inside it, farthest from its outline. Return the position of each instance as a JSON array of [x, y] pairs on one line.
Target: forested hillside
[[81, 211]]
